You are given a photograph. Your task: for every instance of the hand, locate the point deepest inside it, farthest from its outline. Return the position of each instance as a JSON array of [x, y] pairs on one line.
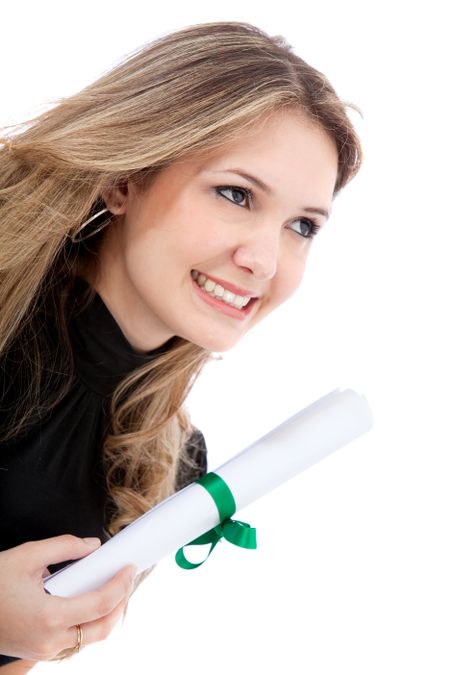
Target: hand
[[37, 626]]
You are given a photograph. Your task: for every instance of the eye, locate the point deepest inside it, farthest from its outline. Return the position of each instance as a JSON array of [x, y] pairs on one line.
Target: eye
[[305, 227], [236, 195]]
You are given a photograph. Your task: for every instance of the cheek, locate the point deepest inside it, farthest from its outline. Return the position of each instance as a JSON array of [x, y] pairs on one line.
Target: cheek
[[144, 261], [290, 275]]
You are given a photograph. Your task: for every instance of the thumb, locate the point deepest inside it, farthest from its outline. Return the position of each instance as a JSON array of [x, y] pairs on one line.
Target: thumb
[[57, 549]]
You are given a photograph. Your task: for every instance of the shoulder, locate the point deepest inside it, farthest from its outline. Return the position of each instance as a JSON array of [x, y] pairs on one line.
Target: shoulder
[[193, 462], [196, 446]]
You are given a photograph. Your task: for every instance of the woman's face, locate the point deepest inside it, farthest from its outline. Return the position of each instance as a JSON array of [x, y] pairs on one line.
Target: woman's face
[[217, 241]]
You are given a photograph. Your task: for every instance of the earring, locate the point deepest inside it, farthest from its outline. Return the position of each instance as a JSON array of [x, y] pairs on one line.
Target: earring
[[76, 237]]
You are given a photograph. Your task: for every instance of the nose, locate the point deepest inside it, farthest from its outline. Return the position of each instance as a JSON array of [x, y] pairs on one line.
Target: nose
[[259, 252]]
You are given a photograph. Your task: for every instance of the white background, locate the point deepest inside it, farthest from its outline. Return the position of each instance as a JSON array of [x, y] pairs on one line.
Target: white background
[[351, 572]]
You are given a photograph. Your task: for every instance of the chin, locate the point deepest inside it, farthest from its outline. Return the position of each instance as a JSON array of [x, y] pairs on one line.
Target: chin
[[216, 343]]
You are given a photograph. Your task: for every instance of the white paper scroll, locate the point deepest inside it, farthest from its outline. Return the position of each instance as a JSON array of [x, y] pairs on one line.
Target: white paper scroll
[[303, 440]]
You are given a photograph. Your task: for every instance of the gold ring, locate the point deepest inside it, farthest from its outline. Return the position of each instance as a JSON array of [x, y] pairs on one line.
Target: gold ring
[[79, 638]]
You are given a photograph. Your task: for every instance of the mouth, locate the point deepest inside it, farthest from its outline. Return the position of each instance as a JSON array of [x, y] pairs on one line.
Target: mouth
[[218, 292]]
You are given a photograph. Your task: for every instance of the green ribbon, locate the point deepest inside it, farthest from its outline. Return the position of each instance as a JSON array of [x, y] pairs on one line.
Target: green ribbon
[[234, 531]]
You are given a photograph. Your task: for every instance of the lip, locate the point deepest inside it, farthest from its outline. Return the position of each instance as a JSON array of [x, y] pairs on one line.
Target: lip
[[237, 290], [228, 310]]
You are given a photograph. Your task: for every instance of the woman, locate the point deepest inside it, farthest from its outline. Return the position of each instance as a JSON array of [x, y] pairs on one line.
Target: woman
[[148, 220]]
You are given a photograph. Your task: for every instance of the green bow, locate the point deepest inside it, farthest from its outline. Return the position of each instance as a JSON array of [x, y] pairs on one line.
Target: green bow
[[234, 531]]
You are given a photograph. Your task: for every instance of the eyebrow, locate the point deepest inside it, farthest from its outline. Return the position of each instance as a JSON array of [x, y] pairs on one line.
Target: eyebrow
[[268, 190]]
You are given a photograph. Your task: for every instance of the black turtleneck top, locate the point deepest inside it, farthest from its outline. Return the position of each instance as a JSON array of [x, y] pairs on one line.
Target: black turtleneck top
[[51, 477]]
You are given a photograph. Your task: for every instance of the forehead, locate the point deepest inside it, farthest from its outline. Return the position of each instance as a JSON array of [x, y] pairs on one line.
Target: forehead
[[281, 135], [285, 149]]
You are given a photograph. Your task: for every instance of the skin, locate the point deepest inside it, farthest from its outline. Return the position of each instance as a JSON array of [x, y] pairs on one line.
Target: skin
[[180, 223], [36, 626]]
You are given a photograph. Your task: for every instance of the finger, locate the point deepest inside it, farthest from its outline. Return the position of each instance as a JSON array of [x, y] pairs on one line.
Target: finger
[[94, 631], [96, 604], [57, 549], [71, 642]]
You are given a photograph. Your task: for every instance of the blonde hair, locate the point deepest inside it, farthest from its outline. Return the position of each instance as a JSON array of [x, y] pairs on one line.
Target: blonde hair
[[192, 90]]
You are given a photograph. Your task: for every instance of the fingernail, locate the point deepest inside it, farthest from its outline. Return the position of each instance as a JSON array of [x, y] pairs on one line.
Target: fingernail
[[92, 541]]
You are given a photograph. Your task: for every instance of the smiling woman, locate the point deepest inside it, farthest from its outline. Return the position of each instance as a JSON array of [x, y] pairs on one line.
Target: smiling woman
[[150, 219], [203, 261]]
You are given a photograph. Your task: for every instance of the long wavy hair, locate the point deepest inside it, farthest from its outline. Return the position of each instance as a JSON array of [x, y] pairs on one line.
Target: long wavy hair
[[192, 90]]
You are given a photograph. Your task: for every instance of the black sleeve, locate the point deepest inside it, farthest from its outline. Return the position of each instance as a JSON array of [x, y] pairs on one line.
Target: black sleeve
[[196, 466]]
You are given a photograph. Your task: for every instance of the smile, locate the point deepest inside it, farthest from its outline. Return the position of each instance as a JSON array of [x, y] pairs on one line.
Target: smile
[[217, 291]]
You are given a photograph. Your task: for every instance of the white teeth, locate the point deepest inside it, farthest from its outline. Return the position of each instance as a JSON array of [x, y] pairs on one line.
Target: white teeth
[[218, 291]]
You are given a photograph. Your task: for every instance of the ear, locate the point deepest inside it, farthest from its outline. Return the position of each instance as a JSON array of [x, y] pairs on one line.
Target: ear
[[116, 199]]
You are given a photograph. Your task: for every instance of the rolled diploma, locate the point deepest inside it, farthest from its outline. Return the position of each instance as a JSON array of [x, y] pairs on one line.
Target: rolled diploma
[[302, 440]]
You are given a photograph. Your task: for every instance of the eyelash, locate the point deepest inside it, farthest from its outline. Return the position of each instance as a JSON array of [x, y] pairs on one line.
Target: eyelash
[[314, 227]]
